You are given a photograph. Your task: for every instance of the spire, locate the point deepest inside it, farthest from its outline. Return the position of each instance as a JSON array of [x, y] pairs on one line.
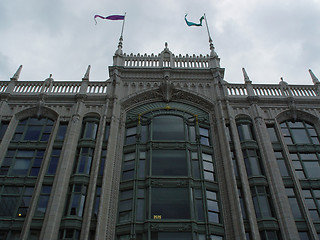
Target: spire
[[87, 74], [119, 50], [16, 76], [314, 78], [245, 75]]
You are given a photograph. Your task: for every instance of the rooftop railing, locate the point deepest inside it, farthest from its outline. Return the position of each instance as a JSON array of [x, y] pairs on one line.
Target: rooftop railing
[[168, 60]]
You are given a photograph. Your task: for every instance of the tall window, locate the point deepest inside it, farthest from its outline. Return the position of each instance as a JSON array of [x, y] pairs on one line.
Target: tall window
[[86, 146], [15, 201], [33, 129], [166, 159]]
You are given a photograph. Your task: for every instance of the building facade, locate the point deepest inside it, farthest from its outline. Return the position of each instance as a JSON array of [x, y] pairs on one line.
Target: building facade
[[163, 150]]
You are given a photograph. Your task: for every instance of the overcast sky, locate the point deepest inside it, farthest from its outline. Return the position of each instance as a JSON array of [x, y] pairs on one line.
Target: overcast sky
[[270, 38]]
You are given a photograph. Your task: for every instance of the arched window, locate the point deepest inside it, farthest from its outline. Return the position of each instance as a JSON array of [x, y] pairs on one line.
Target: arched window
[[167, 156]]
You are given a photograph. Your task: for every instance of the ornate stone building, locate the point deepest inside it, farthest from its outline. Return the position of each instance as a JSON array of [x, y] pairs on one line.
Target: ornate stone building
[[163, 150]]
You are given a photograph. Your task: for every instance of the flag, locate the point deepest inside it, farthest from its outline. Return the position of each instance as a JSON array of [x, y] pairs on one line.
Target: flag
[[192, 23], [111, 17]]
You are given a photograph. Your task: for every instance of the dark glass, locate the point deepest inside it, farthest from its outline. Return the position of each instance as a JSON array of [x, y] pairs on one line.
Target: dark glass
[[168, 127], [55, 155], [304, 236], [245, 132], [144, 134], [295, 208], [171, 236], [169, 163], [62, 131], [170, 203], [107, 132], [8, 205], [3, 128], [312, 169], [300, 136], [272, 134], [33, 133], [91, 130]]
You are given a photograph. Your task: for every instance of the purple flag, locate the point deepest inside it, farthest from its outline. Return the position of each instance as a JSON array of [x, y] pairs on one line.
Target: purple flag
[[111, 17]]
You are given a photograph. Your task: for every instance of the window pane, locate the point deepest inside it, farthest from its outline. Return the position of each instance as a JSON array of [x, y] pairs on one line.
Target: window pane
[[169, 163], [171, 236], [168, 128], [313, 169], [170, 203], [300, 136]]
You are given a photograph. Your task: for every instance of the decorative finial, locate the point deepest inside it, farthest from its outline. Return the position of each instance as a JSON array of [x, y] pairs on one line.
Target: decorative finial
[[245, 75], [314, 78], [16, 76], [166, 45], [86, 75], [119, 50]]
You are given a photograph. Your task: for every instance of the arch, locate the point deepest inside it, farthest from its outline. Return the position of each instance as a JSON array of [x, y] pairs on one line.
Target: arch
[[35, 112], [177, 95], [92, 115], [298, 114]]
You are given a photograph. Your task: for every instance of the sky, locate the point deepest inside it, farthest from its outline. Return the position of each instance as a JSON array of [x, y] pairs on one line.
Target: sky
[[269, 38]]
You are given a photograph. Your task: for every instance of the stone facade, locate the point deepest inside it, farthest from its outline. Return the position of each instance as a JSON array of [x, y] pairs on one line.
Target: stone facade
[[138, 80]]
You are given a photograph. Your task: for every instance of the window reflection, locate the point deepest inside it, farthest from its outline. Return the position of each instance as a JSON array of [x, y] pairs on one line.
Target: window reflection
[[168, 127]]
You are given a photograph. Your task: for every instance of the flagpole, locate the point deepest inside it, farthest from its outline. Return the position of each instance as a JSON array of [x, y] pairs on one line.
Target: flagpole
[[121, 36], [210, 39]]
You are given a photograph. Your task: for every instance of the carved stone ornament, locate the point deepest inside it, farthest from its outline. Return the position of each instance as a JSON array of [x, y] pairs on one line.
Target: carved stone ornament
[[166, 90]]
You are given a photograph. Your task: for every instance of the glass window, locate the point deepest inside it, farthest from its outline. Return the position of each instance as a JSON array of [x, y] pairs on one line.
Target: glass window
[[213, 208], [102, 162], [76, 200], [261, 202], [272, 134], [62, 131], [43, 200], [252, 162], [15, 201], [83, 164], [269, 235], [208, 166], [312, 200], [54, 159], [169, 163], [128, 166], [107, 132], [168, 127], [131, 135], [296, 212], [97, 201], [33, 129], [3, 128], [304, 235], [171, 236], [299, 133], [245, 131], [170, 203], [282, 165], [125, 206], [204, 136], [89, 129], [22, 162], [195, 165]]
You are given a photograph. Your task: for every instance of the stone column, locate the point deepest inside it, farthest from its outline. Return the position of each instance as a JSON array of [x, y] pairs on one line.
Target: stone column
[[56, 205], [90, 201], [254, 230], [106, 221], [278, 193], [231, 195]]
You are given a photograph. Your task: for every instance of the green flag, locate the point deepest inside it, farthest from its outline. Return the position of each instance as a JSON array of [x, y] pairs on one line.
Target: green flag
[[192, 23]]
